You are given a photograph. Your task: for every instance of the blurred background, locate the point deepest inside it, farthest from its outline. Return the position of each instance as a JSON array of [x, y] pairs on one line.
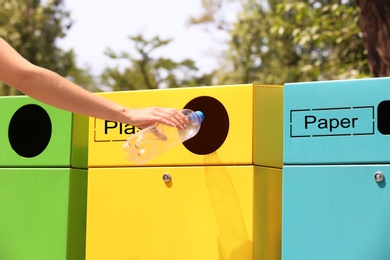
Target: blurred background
[[129, 45]]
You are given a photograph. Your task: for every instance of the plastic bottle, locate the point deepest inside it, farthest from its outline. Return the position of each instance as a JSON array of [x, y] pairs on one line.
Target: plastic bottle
[[156, 139]]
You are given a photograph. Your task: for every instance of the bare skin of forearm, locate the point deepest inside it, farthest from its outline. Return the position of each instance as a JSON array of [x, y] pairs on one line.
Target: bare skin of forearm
[[40, 83], [52, 89]]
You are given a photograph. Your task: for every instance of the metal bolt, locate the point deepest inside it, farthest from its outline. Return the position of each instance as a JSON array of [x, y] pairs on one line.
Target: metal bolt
[[379, 177], [166, 177]]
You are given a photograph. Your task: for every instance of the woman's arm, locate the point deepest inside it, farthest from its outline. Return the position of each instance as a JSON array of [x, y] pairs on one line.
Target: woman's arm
[[52, 89]]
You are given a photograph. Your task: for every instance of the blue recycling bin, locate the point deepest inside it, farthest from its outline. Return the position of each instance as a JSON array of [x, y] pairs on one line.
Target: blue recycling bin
[[336, 202]]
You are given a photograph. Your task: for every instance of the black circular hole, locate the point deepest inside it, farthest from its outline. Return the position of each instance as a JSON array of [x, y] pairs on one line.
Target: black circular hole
[[29, 131], [214, 128]]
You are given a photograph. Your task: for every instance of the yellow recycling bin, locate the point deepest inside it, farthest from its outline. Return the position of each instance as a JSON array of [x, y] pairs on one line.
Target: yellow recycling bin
[[216, 196]]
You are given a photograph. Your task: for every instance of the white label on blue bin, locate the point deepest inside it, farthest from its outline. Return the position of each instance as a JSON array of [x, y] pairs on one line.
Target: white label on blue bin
[[339, 121]]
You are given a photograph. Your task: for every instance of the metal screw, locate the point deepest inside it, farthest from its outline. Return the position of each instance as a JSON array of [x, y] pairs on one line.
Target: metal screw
[[166, 177], [379, 177]]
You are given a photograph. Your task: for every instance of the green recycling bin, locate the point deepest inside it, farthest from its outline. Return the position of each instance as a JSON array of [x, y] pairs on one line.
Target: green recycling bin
[[43, 181]]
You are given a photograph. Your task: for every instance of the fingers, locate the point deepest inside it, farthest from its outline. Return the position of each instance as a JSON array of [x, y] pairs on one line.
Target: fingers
[[144, 117], [171, 116]]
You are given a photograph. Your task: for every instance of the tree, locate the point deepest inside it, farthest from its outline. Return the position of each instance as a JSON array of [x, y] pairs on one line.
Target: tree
[[32, 28], [289, 41], [143, 71], [375, 26], [255, 54], [327, 37]]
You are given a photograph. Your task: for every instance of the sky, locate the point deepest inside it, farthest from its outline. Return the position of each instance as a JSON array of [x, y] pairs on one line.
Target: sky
[[99, 24]]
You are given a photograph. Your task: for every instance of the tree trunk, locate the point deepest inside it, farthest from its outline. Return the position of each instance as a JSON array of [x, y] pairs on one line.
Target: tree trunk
[[375, 25]]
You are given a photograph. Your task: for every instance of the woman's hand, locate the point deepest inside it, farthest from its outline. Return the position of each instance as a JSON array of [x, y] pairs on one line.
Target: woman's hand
[[143, 117]]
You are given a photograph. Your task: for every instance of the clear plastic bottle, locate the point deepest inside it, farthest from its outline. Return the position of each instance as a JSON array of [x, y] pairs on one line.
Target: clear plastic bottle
[[156, 139]]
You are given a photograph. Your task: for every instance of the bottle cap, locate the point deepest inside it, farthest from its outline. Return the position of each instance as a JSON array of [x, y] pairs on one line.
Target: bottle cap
[[200, 115]]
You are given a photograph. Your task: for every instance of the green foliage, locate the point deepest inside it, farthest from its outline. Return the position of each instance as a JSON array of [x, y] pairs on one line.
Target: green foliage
[[327, 36], [254, 54], [270, 41], [143, 71], [32, 28], [290, 41]]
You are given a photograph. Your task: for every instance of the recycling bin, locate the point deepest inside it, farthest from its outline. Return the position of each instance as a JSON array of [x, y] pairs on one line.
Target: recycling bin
[[336, 160], [216, 196], [43, 181]]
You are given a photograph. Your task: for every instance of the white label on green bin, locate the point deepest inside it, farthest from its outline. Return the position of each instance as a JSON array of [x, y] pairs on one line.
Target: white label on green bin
[[337, 121]]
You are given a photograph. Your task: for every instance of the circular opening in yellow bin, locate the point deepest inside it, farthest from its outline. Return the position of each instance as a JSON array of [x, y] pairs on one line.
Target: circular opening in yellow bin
[[214, 128]]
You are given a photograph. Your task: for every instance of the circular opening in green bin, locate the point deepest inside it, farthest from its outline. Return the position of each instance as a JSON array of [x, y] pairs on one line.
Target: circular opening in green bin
[[29, 130]]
